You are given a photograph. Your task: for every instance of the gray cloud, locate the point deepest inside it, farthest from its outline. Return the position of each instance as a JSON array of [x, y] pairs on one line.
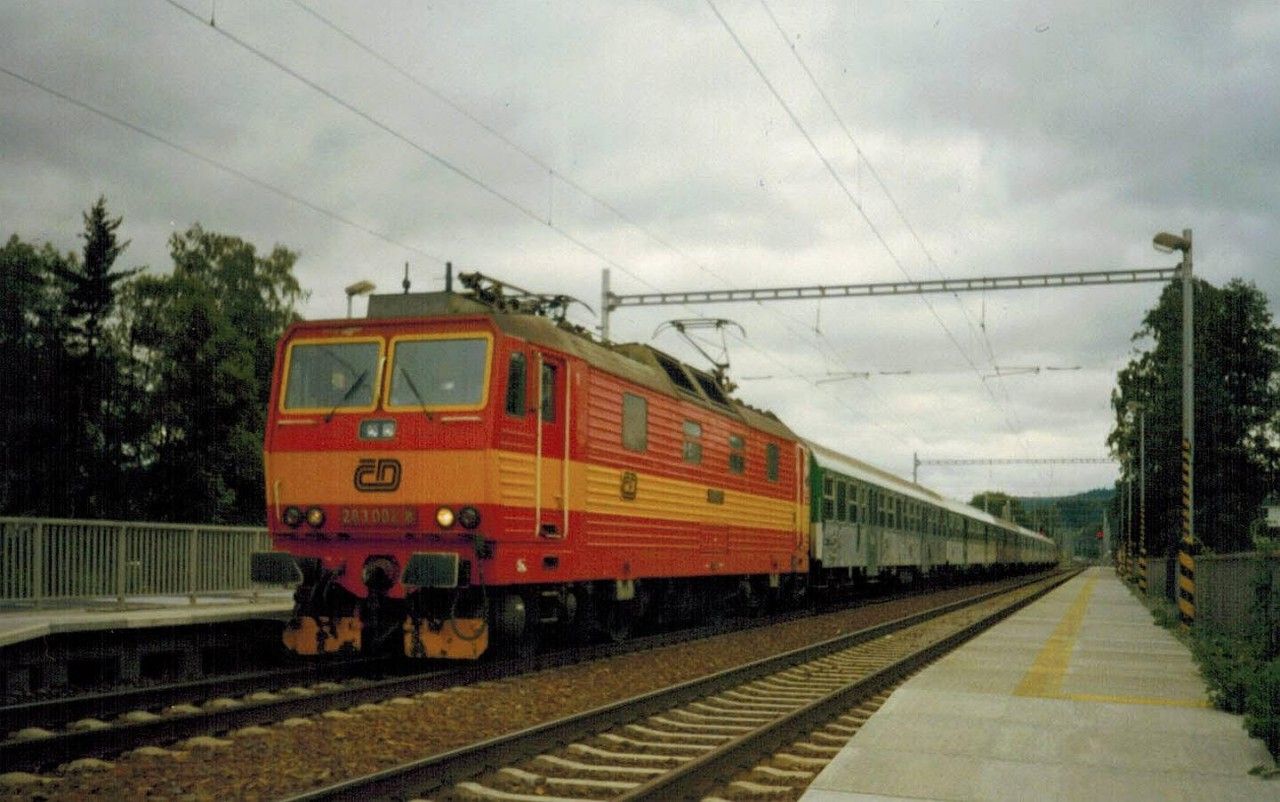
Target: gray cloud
[[1019, 137]]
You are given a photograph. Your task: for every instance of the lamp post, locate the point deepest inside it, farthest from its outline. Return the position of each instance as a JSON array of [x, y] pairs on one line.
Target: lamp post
[[362, 287], [1168, 243]]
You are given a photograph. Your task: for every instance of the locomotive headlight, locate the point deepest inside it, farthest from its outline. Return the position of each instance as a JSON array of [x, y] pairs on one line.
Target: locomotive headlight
[[469, 517], [292, 516], [377, 429], [444, 517], [315, 517]]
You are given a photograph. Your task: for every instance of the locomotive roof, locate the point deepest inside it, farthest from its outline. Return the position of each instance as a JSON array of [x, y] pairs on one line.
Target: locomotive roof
[[858, 469], [635, 362]]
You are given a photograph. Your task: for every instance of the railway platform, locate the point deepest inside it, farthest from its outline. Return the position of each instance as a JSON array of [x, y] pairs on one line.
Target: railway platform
[[1080, 696], [96, 642], [22, 622]]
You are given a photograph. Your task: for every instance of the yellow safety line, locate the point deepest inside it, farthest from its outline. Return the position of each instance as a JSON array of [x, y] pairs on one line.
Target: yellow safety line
[[1159, 701], [1044, 678]]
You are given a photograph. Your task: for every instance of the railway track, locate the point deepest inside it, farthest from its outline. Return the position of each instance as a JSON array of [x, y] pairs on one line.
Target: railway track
[[49, 732], [780, 717]]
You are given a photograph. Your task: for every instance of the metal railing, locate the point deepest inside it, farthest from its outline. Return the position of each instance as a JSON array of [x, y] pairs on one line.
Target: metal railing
[[50, 559]]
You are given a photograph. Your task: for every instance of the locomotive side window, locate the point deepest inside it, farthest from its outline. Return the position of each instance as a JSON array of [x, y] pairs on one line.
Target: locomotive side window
[[331, 375], [737, 453], [548, 392], [434, 372], [771, 461], [692, 442], [635, 422], [517, 378]]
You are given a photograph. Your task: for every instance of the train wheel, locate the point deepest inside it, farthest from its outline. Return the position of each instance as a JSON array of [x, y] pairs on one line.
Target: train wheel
[[515, 628], [619, 621]]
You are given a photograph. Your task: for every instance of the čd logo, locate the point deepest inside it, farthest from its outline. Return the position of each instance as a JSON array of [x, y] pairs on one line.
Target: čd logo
[[377, 475]]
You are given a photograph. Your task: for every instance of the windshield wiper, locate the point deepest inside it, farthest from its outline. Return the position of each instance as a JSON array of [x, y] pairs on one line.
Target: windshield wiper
[[347, 395], [414, 388]]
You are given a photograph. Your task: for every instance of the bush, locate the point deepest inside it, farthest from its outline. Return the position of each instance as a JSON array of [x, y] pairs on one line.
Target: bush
[[1229, 665], [1262, 705]]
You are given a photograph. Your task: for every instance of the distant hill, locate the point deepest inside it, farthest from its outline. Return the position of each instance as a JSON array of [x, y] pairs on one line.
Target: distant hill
[[1081, 509]]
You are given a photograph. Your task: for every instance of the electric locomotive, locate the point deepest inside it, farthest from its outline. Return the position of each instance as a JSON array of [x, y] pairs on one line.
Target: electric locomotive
[[460, 470]]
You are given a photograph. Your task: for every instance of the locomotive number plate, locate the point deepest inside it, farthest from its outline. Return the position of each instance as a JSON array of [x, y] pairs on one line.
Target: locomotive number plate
[[379, 516]]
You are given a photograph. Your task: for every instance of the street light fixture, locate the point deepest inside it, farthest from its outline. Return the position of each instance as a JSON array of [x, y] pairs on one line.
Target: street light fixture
[[362, 287], [1168, 243]]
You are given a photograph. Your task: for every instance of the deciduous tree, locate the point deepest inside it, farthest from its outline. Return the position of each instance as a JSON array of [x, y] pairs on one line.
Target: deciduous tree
[[206, 334], [1237, 419]]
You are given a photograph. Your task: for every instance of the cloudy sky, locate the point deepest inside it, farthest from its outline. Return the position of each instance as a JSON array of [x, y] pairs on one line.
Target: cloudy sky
[[687, 146]]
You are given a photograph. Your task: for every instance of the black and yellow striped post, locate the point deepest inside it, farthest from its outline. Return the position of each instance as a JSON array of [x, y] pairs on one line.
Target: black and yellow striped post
[[1187, 548], [1142, 567]]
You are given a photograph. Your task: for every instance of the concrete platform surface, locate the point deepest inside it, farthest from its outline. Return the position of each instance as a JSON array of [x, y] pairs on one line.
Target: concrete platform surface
[[19, 624], [1079, 696]]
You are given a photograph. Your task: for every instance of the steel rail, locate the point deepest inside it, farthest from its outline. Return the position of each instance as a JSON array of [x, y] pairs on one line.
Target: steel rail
[[37, 753], [446, 769], [48, 713], [694, 779]]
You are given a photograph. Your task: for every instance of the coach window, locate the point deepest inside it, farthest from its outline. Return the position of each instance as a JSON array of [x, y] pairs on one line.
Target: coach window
[[635, 422], [692, 442], [842, 501], [548, 392], [737, 453], [517, 371], [771, 462]]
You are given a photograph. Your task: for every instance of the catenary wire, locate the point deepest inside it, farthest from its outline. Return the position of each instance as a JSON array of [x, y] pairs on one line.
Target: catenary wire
[[224, 167], [861, 211], [819, 342], [460, 172]]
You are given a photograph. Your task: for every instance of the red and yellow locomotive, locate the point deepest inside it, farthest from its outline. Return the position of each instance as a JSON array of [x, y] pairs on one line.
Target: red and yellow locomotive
[[457, 470]]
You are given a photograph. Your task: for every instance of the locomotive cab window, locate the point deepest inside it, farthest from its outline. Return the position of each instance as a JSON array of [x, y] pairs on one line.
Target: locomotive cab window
[[548, 401], [635, 422], [331, 375], [517, 378], [435, 372]]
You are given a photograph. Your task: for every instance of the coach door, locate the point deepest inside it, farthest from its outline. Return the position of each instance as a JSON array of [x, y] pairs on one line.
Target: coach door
[[551, 473]]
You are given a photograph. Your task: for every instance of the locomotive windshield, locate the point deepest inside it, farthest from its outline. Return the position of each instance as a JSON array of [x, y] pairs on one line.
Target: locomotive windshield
[[439, 372], [337, 374]]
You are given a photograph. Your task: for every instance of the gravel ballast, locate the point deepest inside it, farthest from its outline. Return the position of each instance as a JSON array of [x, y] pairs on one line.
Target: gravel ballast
[[263, 763]]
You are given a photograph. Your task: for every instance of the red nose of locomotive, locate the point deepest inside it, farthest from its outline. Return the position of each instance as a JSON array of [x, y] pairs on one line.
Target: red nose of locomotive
[[375, 477]]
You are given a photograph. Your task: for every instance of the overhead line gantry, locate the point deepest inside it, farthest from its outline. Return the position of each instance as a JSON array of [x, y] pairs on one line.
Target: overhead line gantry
[[610, 301]]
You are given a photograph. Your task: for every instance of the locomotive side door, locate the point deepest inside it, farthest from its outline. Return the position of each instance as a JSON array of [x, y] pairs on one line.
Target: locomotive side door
[[551, 468]]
